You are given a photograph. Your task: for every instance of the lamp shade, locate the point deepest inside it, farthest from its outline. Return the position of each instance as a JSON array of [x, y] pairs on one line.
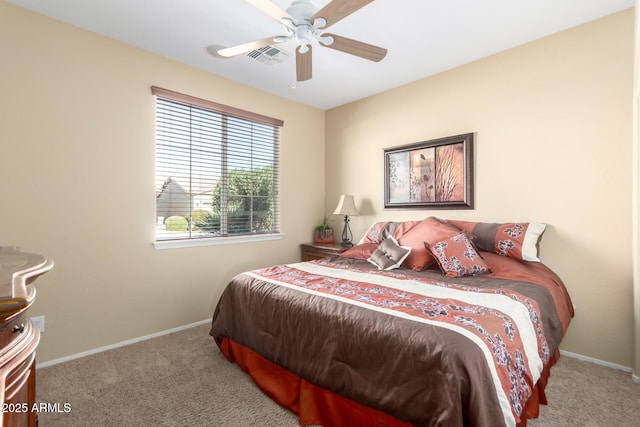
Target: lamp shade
[[346, 206]]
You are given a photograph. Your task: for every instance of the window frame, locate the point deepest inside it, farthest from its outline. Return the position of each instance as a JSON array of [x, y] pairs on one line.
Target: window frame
[[172, 96]]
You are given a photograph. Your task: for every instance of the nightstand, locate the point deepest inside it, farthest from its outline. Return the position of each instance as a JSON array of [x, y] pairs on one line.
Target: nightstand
[[311, 251]]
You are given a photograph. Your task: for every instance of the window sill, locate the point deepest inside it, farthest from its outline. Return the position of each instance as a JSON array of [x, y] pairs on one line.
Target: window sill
[[188, 243]]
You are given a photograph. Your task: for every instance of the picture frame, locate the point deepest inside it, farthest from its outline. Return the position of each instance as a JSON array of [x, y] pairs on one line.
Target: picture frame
[[433, 174]]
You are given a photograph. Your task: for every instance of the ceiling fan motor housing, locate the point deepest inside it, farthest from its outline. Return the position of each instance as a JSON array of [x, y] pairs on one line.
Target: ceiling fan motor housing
[[302, 30], [302, 10], [304, 35]]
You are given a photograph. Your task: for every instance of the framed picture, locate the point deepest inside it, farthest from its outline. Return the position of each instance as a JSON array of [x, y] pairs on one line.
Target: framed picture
[[435, 174]]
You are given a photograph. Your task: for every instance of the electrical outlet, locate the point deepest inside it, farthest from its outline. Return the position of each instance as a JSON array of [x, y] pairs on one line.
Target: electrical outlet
[[39, 321]]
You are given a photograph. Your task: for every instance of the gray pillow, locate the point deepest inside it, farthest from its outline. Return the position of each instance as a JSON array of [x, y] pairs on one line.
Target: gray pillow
[[389, 254]]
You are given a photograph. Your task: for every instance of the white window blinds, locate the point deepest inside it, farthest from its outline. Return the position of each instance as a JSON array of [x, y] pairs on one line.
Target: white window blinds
[[217, 169]]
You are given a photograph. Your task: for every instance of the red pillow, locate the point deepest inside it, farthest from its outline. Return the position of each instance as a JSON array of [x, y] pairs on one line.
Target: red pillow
[[457, 257], [430, 230], [361, 251]]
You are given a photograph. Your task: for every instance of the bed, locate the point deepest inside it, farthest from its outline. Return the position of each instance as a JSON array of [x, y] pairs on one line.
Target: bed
[[430, 322]]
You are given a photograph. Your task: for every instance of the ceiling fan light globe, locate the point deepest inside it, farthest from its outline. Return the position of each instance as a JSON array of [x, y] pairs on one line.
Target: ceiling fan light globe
[[319, 23], [288, 24], [326, 40]]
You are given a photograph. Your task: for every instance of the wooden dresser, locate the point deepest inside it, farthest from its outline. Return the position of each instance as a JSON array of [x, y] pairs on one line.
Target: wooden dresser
[[19, 337]]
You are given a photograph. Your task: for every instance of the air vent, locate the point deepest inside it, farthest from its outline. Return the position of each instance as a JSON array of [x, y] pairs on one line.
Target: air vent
[[269, 55]]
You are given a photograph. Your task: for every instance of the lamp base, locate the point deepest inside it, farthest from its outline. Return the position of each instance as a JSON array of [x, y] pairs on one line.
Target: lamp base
[[346, 234]]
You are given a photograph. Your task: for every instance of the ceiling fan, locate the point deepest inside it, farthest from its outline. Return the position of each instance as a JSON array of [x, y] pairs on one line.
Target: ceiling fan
[[303, 22]]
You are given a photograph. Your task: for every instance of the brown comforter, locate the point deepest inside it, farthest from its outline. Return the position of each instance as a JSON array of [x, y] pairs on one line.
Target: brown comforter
[[427, 349]]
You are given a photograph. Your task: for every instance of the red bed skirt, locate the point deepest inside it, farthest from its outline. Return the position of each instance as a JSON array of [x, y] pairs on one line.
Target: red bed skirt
[[315, 405]]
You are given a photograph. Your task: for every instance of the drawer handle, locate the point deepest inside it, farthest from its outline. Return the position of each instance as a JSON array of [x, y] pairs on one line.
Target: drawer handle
[[19, 328]]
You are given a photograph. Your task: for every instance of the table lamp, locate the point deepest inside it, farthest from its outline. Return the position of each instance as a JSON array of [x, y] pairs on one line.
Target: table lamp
[[346, 207]]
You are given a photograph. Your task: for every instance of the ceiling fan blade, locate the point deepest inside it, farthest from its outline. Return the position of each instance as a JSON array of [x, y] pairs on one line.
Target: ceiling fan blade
[[354, 47], [339, 9], [269, 8], [303, 64], [240, 49]]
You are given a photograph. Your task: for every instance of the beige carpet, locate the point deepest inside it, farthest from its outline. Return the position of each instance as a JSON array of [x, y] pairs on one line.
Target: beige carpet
[[181, 379]]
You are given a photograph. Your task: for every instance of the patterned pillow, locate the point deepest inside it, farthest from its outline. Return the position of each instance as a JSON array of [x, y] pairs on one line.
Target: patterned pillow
[[457, 256], [382, 230], [429, 230], [389, 254], [519, 240], [377, 232]]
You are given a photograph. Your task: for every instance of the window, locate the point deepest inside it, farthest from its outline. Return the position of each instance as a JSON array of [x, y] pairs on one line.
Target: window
[[217, 170]]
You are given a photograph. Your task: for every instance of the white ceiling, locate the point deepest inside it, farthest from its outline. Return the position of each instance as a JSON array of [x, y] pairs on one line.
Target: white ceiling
[[423, 37]]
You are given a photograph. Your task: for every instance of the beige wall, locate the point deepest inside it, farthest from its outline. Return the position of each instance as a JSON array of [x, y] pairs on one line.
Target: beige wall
[[553, 140], [77, 183], [553, 126]]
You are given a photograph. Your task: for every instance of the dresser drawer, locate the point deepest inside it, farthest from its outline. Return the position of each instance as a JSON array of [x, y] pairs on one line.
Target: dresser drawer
[[11, 329]]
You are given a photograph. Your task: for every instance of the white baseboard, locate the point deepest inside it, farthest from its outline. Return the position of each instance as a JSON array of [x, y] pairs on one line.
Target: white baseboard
[[598, 362], [119, 344]]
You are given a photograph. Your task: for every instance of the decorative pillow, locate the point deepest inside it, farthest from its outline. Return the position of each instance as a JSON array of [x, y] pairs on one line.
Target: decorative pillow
[[382, 230], [361, 251], [519, 240], [457, 257], [389, 255], [429, 230], [377, 232]]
